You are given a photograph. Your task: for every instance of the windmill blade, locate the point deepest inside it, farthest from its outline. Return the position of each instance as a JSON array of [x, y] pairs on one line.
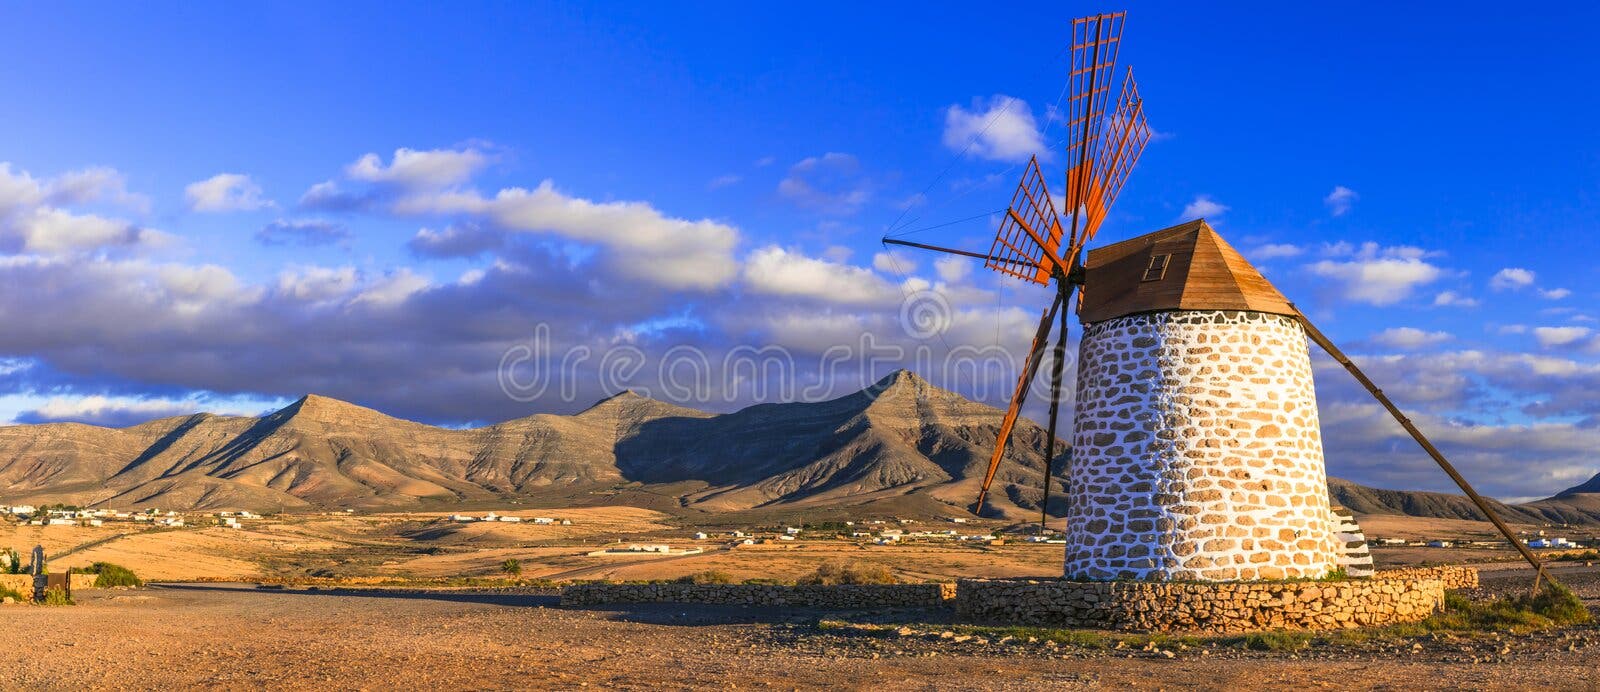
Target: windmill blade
[[1096, 41], [1121, 143], [1029, 238], [1029, 368]]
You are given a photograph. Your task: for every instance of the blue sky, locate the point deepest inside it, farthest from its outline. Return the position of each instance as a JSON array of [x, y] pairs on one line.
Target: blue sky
[[225, 207]]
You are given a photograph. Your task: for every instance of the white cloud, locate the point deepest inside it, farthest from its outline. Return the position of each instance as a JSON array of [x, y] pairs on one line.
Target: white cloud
[[1410, 338], [1202, 206], [1453, 299], [1340, 200], [830, 184], [953, 269], [1276, 251], [303, 232], [643, 242], [122, 411], [776, 271], [31, 222], [1511, 278], [1002, 129], [722, 181], [317, 284], [891, 262], [96, 184], [1554, 293], [420, 170], [225, 192], [54, 231], [1549, 337], [392, 289], [1377, 275]]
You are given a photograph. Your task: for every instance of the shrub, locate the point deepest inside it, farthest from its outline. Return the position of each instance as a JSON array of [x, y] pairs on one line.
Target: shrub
[[833, 573], [57, 597], [1557, 602], [111, 575], [708, 577], [511, 566], [10, 561], [11, 593]]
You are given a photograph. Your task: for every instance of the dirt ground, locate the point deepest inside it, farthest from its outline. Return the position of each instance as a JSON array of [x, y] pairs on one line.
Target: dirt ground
[[427, 545], [242, 637]]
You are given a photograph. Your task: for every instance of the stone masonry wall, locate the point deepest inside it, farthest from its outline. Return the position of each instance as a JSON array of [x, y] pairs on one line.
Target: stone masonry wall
[[1199, 606], [845, 597], [1454, 577], [1197, 453], [23, 583]]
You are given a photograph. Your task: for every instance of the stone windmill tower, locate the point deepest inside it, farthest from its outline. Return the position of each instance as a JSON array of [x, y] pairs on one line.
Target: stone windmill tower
[[1196, 450]]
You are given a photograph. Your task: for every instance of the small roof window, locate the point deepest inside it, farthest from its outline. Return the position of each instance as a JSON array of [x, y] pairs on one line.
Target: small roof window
[[1158, 267]]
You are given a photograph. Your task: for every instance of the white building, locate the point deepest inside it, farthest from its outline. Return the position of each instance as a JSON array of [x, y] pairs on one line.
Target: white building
[[701, 536], [792, 531], [511, 519], [543, 520], [463, 518]]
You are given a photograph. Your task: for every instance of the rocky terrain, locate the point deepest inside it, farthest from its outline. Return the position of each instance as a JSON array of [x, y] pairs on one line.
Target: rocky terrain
[[901, 445], [899, 437], [237, 636]]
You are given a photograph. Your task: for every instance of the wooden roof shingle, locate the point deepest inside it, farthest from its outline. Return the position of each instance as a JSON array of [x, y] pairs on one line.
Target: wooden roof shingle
[[1203, 272]]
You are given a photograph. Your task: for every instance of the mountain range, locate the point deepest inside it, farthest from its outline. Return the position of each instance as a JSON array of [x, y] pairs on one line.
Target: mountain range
[[901, 445]]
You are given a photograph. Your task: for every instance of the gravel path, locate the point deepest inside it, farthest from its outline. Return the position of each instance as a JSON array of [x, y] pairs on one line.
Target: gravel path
[[241, 637]]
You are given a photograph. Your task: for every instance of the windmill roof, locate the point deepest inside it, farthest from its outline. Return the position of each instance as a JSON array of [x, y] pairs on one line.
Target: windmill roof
[[1200, 271]]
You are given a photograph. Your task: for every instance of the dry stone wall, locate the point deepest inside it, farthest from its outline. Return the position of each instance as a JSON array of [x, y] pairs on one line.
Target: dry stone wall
[[1197, 453], [1453, 577], [1199, 606], [843, 597], [23, 583]]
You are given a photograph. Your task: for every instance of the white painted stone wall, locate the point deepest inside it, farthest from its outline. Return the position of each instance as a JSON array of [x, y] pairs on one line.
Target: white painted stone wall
[[1197, 454]]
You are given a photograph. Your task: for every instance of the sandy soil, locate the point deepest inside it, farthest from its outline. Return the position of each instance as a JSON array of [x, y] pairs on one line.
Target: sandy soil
[[239, 637]]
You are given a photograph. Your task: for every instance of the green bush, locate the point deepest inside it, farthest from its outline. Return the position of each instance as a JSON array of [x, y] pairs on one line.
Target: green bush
[[57, 596], [511, 566], [110, 575], [10, 593], [10, 561], [707, 577], [834, 573], [1557, 602]]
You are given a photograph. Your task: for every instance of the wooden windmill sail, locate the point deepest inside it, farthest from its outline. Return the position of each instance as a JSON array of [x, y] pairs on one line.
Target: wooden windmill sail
[[1192, 266], [1033, 243]]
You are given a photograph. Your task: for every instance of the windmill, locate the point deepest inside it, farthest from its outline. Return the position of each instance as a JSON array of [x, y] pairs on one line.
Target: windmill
[[1205, 461], [1032, 243]]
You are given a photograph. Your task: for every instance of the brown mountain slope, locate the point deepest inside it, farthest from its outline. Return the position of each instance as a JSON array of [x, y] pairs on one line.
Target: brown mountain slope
[[900, 444], [900, 436]]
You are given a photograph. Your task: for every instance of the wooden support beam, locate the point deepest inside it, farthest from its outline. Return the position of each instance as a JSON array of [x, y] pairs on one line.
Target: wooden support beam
[[1438, 457]]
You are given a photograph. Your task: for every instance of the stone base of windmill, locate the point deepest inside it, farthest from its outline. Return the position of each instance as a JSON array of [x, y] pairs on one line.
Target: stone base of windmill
[[1212, 607]]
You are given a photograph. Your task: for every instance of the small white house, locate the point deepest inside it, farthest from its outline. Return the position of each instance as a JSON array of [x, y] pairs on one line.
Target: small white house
[[786, 538], [1441, 544], [61, 521], [94, 522], [792, 531], [22, 509], [463, 518], [1550, 543], [700, 536], [543, 520], [491, 517]]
